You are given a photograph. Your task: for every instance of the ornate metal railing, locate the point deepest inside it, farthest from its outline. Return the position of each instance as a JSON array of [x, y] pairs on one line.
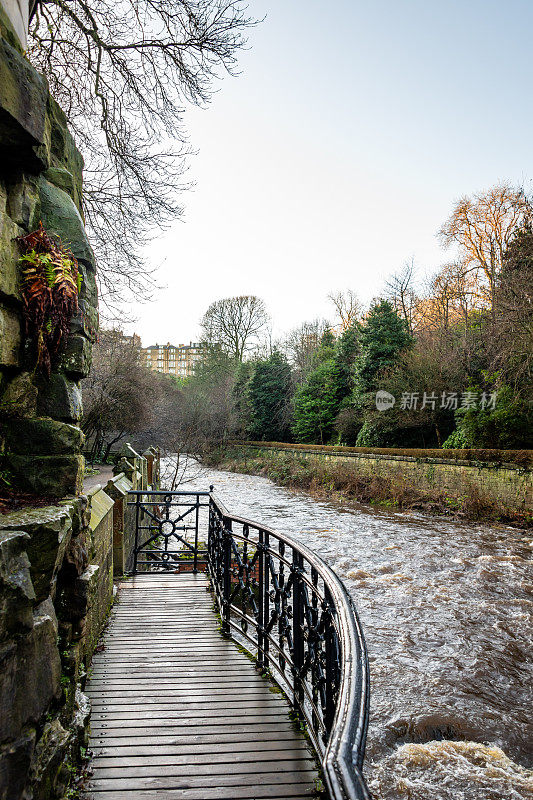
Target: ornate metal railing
[[167, 526], [294, 614]]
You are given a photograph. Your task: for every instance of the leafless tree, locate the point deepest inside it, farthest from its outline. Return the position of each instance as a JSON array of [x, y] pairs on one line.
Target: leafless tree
[[117, 395], [301, 344], [401, 291], [236, 325], [123, 72], [347, 307], [483, 226]]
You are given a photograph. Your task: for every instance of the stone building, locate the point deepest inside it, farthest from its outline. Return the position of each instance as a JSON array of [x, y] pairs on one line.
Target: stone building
[[179, 360]]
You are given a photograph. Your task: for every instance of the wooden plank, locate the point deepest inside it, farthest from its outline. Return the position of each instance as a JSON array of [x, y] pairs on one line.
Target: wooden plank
[[226, 753], [238, 737], [179, 713], [195, 781], [248, 770], [293, 791]]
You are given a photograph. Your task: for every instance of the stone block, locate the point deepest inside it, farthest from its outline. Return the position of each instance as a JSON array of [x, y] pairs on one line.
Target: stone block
[[15, 761], [17, 594], [9, 338], [23, 103], [60, 398], [61, 150], [49, 530], [65, 180], [19, 398], [52, 476], [9, 256], [101, 524], [80, 723], [30, 673], [60, 216], [24, 203], [77, 357], [43, 436], [88, 289], [77, 596], [50, 752], [81, 515], [85, 321], [99, 589], [47, 609], [77, 554]]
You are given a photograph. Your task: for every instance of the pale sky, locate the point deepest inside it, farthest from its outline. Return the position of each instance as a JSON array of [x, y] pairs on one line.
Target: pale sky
[[339, 151]]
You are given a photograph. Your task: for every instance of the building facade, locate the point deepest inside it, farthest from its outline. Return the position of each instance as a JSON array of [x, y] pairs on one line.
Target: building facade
[[179, 360]]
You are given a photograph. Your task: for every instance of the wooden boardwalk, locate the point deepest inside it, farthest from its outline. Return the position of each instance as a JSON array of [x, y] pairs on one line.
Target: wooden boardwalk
[[180, 712]]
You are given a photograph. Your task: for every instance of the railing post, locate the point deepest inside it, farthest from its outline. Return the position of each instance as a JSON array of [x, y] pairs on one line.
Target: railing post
[[260, 603], [226, 543], [331, 662], [195, 563], [297, 628], [137, 509], [265, 556]]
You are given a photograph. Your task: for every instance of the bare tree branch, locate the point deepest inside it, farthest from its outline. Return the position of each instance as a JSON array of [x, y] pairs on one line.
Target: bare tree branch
[[123, 72]]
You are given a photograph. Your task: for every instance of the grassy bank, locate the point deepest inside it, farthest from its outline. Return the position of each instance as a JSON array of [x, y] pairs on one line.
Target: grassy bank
[[324, 479]]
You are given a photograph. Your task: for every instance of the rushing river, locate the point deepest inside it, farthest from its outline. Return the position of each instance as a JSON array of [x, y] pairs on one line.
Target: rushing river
[[446, 609]]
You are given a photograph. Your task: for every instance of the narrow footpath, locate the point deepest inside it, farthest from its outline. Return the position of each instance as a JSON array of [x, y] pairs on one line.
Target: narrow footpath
[[180, 712]]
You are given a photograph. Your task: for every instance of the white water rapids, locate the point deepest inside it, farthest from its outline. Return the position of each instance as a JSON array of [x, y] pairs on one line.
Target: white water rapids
[[446, 609]]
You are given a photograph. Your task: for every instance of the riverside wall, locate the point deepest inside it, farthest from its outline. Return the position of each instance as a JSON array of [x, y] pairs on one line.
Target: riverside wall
[[59, 548], [57, 565], [504, 479]]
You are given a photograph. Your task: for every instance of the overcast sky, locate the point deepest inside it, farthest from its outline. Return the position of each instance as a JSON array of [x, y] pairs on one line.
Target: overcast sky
[[338, 152]]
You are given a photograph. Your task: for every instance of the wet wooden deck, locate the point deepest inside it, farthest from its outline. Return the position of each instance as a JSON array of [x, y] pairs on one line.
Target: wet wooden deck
[[180, 712]]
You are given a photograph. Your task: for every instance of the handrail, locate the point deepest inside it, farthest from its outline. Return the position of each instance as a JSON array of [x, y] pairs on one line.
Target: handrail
[[278, 596]]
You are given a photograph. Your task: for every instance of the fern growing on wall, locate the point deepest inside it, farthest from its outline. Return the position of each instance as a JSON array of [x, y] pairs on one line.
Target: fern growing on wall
[[51, 283]]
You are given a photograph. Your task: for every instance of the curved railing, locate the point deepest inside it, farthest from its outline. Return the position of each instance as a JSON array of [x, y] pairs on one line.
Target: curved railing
[[295, 616]]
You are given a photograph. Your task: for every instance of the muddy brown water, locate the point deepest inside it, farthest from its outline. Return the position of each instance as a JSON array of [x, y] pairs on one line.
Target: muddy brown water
[[447, 610]]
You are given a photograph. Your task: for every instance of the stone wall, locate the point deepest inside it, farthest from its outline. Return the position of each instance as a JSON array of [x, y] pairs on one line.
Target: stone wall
[[56, 553], [56, 589], [40, 180], [508, 486]]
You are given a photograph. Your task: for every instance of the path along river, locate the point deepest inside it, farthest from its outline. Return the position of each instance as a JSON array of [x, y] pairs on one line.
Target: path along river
[[446, 609]]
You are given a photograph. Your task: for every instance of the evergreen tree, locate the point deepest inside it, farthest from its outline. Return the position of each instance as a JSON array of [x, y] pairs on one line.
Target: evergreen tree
[[316, 404], [346, 352], [319, 400], [269, 397], [382, 338]]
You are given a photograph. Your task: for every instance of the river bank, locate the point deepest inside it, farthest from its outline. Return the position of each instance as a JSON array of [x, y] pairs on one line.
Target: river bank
[[446, 610], [332, 480]]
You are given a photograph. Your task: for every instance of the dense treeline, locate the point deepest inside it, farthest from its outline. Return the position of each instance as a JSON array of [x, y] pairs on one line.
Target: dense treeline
[[445, 364], [455, 355]]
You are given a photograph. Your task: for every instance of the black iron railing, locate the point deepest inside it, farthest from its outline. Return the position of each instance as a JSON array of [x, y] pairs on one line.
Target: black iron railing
[[167, 528], [296, 617], [284, 604]]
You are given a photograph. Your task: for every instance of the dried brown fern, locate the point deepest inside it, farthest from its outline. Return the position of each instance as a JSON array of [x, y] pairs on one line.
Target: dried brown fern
[[50, 288]]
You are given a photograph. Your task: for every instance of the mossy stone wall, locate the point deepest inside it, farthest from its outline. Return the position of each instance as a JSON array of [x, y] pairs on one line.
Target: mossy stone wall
[[508, 487], [40, 180], [56, 561]]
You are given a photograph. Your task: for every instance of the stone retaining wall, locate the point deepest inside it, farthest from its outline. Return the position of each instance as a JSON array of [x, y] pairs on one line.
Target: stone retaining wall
[[508, 486], [56, 589], [40, 181]]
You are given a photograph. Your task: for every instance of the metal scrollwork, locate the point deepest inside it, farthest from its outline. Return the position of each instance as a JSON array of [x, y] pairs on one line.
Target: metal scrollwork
[[282, 602], [297, 618]]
